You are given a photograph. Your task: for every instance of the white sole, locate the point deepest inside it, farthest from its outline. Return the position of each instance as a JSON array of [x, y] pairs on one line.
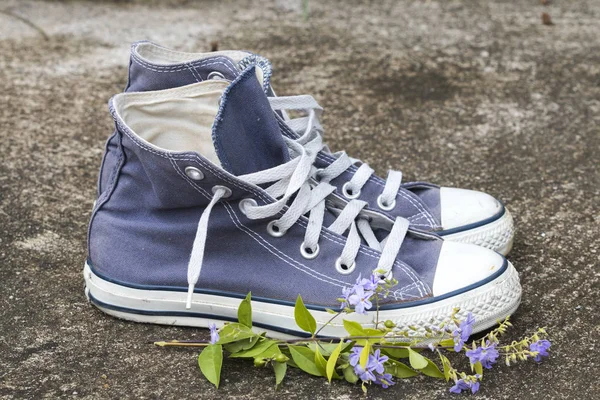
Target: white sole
[[490, 302], [497, 235]]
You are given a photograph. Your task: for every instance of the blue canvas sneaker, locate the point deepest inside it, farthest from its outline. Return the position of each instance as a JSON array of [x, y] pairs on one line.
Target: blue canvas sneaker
[[203, 198], [456, 214]]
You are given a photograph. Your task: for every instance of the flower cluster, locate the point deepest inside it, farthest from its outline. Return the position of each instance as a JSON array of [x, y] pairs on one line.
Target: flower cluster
[[358, 356], [541, 348], [462, 333], [486, 355], [359, 295], [467, 383], [374, 371]]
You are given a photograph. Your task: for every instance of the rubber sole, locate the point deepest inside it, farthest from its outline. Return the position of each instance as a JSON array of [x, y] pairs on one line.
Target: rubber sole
[[498, 235], [489, 302]]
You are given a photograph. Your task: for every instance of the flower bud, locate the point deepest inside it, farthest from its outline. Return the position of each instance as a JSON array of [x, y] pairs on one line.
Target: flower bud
[[259, 362], [389, 324], [281, 358]]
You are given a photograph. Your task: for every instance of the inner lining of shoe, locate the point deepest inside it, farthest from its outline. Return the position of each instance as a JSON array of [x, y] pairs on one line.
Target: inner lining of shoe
[[160, 55], [176, 119]]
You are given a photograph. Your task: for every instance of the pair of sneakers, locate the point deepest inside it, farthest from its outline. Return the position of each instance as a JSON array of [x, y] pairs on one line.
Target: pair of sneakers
[[209, 189]]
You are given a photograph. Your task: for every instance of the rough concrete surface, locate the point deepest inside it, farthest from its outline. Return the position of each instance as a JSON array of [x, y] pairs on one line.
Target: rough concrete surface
[[472, 94]]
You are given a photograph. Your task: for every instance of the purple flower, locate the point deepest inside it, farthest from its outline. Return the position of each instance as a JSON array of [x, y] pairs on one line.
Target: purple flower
[[486, 355], [346, 292], [462, 333], [355, 355], [214, 334], [460, 386], [376, 362], [371, 283], [360, 300], [359, 294], [364, 374], [385, 380], [374, 370], [431, 346], [541, 347]]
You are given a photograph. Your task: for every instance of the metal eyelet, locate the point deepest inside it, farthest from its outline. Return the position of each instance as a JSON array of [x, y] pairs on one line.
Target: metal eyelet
[[309, 253], [385, 207], [215, 75], [225, 188], [245, 203], [274, 230], [347, 193], [194, 173], [343, 268]]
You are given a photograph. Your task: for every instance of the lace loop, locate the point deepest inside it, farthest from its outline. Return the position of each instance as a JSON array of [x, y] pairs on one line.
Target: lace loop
[[304, 126]]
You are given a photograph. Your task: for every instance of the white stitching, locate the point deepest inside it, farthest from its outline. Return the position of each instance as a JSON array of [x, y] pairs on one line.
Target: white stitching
[[418, 206], [194, 73], [249, 231], [176, 68]]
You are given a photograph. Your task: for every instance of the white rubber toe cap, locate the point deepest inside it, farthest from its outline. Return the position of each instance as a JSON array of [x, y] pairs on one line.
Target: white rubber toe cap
[[460, 207], [461, 265]]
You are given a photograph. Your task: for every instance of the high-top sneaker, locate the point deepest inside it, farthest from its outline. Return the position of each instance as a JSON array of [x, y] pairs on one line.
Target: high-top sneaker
[[456, 214], [202, 200]]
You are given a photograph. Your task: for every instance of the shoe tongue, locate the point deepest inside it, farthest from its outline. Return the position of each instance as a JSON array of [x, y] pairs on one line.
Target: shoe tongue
[[246, 133]]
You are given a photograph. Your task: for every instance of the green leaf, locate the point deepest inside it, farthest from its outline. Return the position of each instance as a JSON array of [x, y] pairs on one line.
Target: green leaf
[[372, 332], [349, 375], [330, 369], [271, 351], [234, 332], [255, 351], [447, 366], [432, 370], [320, 362], [304, 318], [396, 353], [325, 348], [245, 311], [399, 370], [478, 368], [243, 344], [364, 355], [417, 361], [280, 369], [304, 359], [353, 328], [210, 362]]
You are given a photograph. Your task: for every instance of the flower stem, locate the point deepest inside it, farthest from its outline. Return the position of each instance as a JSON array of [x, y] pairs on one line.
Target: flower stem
[[327, 323]]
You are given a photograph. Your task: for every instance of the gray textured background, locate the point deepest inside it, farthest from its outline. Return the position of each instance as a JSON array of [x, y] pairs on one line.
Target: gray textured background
[[478, 96]]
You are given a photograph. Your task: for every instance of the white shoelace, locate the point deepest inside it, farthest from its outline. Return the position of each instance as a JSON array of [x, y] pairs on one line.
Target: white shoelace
[[293, 178], [305, 126]]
